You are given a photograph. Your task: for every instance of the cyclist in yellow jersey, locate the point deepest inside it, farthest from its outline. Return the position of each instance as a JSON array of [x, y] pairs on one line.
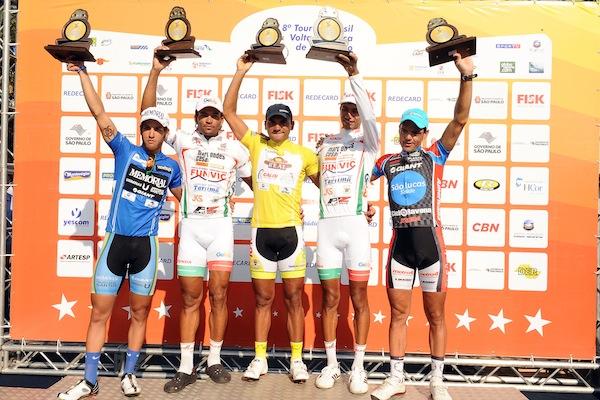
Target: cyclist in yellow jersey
[[279, 168]]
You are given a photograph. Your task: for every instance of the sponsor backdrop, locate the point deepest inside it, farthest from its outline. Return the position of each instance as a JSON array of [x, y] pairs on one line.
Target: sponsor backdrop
[[519, 199]]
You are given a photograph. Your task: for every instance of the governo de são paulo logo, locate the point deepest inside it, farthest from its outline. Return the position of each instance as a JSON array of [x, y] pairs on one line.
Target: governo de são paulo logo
[[408, 188]]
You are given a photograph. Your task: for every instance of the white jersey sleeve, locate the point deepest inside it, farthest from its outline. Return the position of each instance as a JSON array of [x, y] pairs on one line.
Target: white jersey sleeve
[[367, 115], [242, 157]]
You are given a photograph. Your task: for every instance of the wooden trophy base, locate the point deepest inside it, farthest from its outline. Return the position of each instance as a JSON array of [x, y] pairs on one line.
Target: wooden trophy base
[[180, 49], [66, 53], [326, 54], [442, 53], [177, 53], [267, 54]]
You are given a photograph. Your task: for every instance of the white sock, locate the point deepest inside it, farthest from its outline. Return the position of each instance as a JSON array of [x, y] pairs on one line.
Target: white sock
[[437, 368], [397, 368], [359, 356], [330, 350], [187, 358], [214, 354]]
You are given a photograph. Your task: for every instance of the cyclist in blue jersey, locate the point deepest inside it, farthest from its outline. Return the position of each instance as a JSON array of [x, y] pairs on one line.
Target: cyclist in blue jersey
[[414, 179], [142, 176]]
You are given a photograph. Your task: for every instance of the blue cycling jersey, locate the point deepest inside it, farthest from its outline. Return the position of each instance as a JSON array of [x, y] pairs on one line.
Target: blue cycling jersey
[[139, 193]]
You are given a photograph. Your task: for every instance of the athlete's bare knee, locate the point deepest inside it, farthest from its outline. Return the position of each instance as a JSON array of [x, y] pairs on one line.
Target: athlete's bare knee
[[218, 297], [264, 299], [436, 318], [331, 298], [140, 312], [400, 314], [191, 300], [99, 316]]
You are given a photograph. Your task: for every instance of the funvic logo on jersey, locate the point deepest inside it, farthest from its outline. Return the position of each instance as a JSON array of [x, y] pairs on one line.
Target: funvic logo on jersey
[[408, 188], [74, 175]]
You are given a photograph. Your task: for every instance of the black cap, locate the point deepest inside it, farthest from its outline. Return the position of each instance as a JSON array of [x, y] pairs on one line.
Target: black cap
[[278, 109]]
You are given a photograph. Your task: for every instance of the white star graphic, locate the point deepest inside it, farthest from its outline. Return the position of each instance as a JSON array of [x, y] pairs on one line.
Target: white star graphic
[[128, 309], [238, 312], [537, 322], [465, 320], [408, 319], [318, 314], [498, 321], [379, 317], [276, 313], [163, 310], [64, 307]]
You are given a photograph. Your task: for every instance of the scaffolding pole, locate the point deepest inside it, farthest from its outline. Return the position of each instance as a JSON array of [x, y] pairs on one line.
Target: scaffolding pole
[[6, 42]]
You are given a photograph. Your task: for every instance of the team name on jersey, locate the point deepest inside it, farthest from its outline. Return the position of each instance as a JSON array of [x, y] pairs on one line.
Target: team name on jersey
[[400, 168], [205, 156], [154, 180]]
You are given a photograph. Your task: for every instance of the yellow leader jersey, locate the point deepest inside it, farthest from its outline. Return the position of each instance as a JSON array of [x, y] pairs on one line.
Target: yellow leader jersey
[[278, 171]]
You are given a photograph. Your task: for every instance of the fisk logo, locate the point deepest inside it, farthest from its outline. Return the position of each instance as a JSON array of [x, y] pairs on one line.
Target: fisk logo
[[280, 95], [197, 93], [314, 137], [530, 99]]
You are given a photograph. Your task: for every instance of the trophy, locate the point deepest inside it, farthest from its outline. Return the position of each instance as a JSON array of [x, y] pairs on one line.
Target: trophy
[[74, 44], [327, 41], [445, 41], [268, 48], [179, 40]]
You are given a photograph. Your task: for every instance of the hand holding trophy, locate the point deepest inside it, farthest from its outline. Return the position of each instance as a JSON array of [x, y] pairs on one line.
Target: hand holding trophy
[[268, 48], [445, 41], [179, 40], [75, 43], [328, 40]]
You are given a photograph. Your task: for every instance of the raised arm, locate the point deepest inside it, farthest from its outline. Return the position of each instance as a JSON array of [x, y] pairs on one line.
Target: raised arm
[[463, 102], [365, 109], [158, 64], [237, 125], [107, 127]]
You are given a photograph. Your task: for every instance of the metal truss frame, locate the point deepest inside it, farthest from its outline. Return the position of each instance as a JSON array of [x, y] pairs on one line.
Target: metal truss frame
[[58, 359], [55, 358]]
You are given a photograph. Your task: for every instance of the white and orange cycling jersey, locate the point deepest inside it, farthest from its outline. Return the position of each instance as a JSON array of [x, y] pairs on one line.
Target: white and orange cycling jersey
[[346, 161], [209, 168]]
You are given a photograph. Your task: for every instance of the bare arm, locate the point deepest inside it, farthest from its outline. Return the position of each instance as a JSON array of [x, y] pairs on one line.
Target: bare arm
[[149, 96], [177, 192], [237, 125], [463, 103], [107, 127], [315, 179]]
